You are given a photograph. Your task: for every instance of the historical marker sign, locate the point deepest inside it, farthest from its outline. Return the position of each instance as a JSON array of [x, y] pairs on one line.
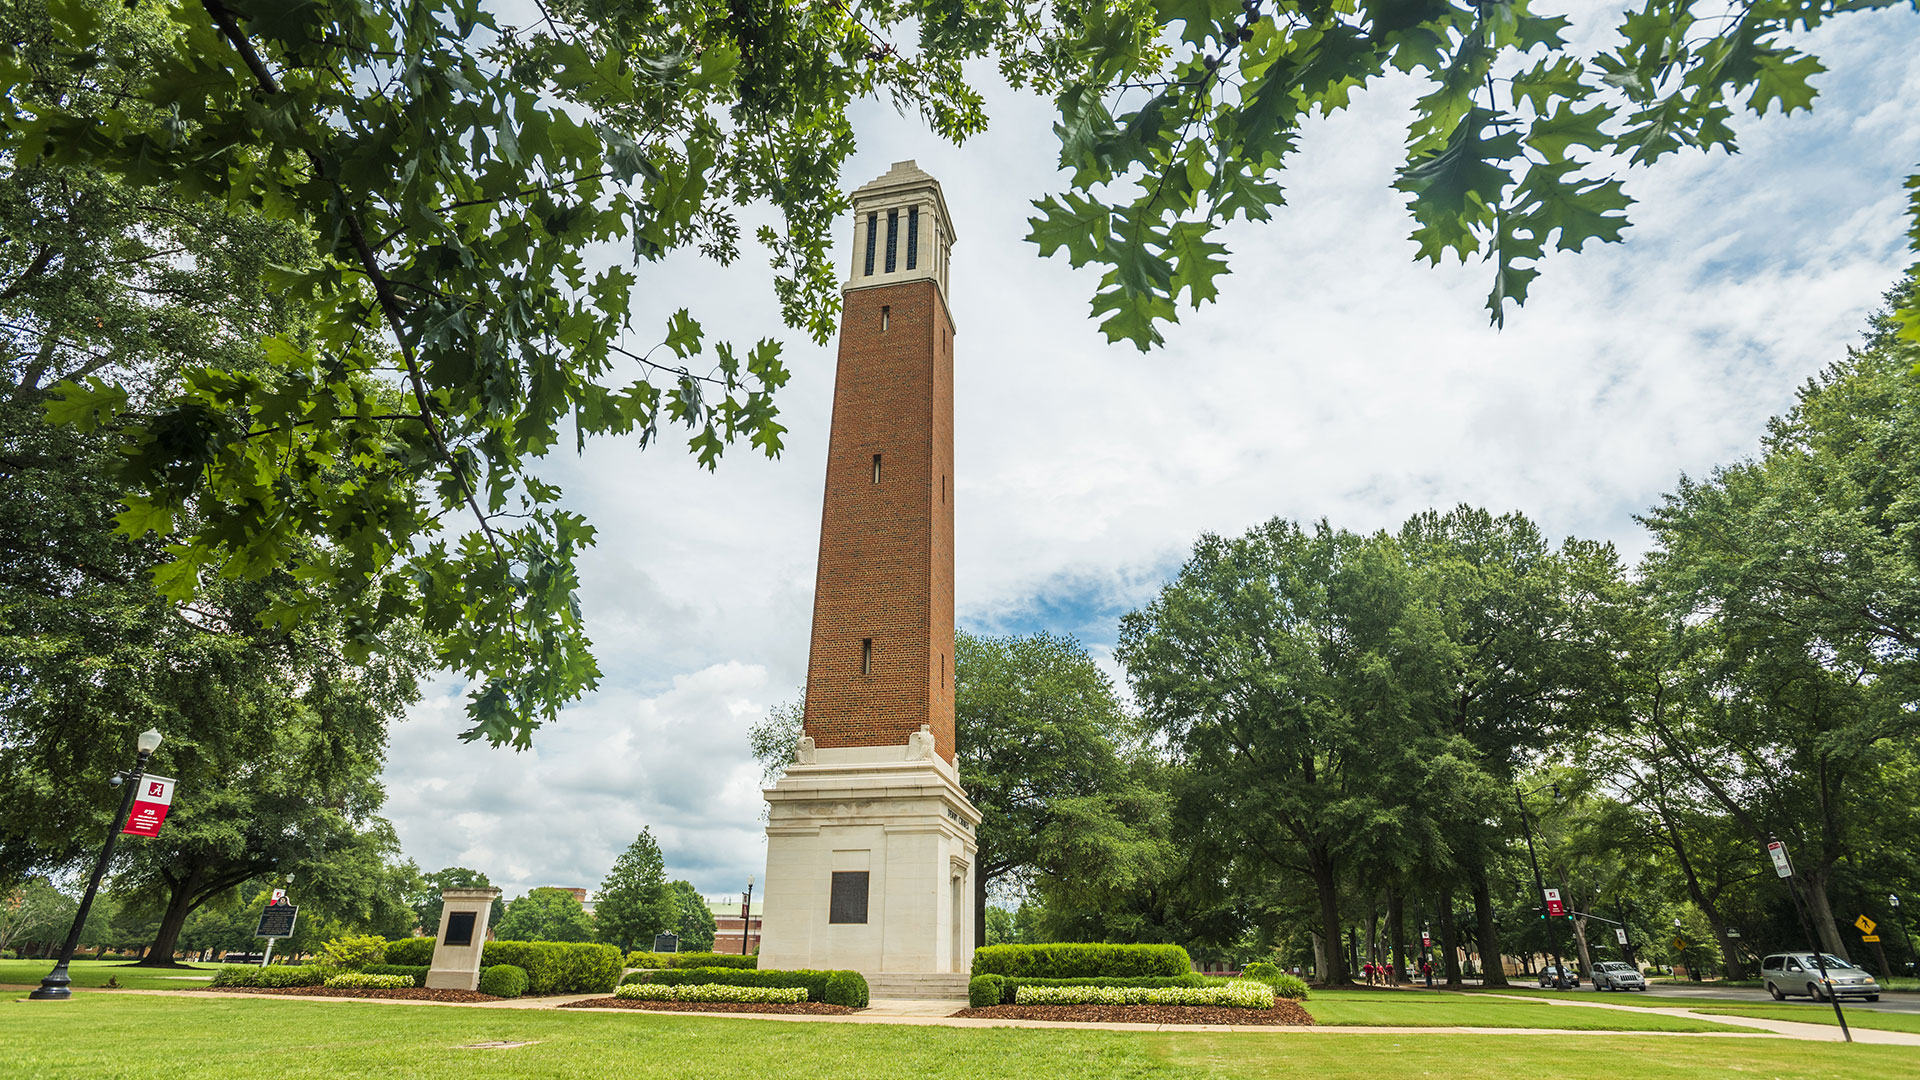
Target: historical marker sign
[[276, 921], [150, 804]]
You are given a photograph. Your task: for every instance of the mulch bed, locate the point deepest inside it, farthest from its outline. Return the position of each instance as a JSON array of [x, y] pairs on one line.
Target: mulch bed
[[1287, 1013], [815, 1007], [408, 993]]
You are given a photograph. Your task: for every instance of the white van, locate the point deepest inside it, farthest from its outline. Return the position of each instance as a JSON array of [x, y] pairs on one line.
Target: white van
[[1790, 974]]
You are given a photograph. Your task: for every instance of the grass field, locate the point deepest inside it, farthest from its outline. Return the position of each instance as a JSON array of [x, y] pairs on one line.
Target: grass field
[[109, 1036], [97, 972], [1361, 1008]]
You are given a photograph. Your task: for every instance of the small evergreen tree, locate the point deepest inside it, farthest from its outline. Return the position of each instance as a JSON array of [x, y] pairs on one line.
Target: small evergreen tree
[[635, 901]]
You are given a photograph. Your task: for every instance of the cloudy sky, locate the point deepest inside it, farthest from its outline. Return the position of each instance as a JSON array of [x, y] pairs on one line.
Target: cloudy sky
[[1335, 378]]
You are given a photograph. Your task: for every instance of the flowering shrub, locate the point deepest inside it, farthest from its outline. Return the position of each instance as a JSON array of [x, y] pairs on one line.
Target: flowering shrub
[[354, 980], [1284, 985], [1240, 994], [353, 952], [847, 988], [756, 995]]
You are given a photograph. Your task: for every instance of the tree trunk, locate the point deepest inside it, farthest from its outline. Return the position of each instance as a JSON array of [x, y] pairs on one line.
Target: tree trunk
[[1822, 913], [979, 896], [1396, 933], [1449, 942], [1320, 957], [1492, 971], [1320, 864], [180, 904], [1580, 944]]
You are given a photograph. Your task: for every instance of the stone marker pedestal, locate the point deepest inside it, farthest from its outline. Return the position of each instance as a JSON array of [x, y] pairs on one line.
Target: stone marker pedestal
[[870, 862], [462, 936]]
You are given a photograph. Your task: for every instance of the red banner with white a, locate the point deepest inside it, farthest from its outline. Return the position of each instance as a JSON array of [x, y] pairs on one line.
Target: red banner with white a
[[150, 802], [1555, 909]]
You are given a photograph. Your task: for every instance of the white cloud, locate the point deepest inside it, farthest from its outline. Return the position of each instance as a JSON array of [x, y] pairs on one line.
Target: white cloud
[[1334, 378]]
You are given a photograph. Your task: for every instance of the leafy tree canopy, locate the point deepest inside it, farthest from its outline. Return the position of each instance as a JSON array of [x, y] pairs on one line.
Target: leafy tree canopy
[[694, 923], [545, 914], [457, 173]]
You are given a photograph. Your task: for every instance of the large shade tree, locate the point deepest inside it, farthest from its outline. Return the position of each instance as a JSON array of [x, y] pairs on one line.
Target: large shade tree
[[459, 168], [1045, 752]]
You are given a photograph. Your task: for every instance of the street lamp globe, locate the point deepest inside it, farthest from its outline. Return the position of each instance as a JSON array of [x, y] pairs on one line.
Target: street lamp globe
[[1893, 900], [148, 741]]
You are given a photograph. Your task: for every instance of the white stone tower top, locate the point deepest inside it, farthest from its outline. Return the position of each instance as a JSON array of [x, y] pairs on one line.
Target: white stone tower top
[[901, 230]]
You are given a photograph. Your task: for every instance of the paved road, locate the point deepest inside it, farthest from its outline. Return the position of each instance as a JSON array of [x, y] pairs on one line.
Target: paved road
[[1898, 1003]]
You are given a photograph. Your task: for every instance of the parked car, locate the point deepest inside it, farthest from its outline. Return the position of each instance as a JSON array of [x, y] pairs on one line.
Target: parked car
[[1557, 977], [1796, 974], [1614, 975]]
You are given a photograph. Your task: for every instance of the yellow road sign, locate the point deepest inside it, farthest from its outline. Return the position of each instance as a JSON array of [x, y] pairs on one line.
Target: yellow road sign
[[1869, 937], [1865, 924]]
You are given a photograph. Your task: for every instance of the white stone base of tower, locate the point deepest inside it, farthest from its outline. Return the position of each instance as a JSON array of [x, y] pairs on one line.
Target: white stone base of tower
[[894, 813]]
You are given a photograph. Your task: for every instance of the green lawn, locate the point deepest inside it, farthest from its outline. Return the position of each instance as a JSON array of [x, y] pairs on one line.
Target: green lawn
[[108, 1036], [97, 972], [1387, 1008], [1561, 1057]]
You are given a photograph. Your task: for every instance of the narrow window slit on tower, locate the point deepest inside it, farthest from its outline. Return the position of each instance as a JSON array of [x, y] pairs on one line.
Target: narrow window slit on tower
[[876, 468], [943, 671], [943, 490], [866, 656], [886, 317], [913, 237], [893, 237], [873, 222]]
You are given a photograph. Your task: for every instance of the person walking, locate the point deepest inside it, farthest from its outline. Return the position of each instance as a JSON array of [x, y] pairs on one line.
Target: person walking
[[1426, 971]]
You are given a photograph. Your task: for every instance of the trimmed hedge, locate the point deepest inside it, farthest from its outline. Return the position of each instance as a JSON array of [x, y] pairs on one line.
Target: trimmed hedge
[[983, 991], [661, 961], [504, 980], [559, 967], [1240, 994], [757, 995], [847, 988], [416, 972], [1081, 961], [410, 952], [360, 980], [273, 975]]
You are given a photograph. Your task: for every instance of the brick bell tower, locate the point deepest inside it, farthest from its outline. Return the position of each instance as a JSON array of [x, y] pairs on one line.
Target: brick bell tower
[[870, 840]]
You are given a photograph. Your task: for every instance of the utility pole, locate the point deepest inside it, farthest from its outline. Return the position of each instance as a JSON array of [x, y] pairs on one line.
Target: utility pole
[[1540, 888], [1783, 866]]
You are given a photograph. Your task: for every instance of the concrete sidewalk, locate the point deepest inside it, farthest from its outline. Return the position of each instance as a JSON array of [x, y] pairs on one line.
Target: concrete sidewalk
[[1792, 1029]]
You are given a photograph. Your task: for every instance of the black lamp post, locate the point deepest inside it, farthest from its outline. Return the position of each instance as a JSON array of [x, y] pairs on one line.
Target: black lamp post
[[57, 985], [1540, 888]]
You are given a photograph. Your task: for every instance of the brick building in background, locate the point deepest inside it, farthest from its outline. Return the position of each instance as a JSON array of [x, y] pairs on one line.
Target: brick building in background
[[726, 922], [869, 837]]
